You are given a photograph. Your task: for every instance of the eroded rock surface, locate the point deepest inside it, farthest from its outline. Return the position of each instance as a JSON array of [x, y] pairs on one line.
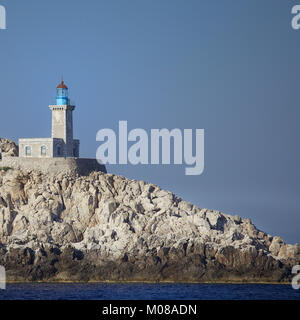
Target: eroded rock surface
[[106, 227], [8, 148]]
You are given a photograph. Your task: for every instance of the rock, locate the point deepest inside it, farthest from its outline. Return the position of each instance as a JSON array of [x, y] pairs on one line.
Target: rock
[[237, 219], [105, 227], [216, 220], [275, 246], [8, 148]]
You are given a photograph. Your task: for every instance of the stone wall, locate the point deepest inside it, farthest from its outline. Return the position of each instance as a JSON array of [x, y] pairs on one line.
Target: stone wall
[[54, 166], [36, 144]]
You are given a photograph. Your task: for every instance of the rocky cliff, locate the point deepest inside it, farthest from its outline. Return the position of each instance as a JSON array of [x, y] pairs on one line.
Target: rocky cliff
[[106, 227]]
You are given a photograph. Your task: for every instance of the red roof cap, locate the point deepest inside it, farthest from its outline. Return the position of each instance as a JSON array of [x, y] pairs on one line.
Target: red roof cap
[[62, 85]]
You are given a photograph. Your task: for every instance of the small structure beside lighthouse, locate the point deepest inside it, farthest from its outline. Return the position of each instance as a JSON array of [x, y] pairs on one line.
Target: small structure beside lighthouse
[[61, 144]]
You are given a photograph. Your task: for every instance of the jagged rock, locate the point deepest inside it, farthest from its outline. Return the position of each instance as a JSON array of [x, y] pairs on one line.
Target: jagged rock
[[275, 246], [105, 227], [8, 148]]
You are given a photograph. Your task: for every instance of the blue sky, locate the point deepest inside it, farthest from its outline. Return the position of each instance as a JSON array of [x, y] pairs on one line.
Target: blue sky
[[227, 66]]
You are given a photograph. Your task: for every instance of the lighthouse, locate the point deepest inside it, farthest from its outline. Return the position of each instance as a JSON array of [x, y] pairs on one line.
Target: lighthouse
[[58, 154], [62, 124], [61, 144]]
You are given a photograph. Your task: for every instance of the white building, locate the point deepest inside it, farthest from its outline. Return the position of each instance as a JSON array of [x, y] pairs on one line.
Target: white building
[[61, 144]]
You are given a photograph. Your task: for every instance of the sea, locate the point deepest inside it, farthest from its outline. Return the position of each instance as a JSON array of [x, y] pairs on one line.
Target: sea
[[142, 291]]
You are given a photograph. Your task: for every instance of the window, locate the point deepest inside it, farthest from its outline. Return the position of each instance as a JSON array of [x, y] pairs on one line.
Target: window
[[43, 150], [74, 152], [58, 150], [28, 151]]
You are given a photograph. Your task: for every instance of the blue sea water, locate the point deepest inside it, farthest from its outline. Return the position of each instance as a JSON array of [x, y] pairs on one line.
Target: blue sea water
[[141, 291]]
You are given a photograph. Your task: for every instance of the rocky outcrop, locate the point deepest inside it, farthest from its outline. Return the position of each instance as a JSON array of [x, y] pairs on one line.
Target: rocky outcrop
[[106, 227], [8, 148]]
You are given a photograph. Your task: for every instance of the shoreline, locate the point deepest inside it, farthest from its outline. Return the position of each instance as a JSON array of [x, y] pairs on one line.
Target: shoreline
[[150, 282]]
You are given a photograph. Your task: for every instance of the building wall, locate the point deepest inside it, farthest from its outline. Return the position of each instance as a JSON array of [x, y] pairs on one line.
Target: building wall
[[35, 145], [61, 144], [54, 166], [54, 148], [76, 146], [62, 126], [58, 148], [69, 132]]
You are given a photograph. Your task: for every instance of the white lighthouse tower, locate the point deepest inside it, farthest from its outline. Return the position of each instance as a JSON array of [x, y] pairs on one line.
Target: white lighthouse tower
[[62, 124]]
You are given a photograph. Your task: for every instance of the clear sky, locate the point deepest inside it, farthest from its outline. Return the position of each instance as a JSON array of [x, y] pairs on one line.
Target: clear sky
[[230, 67]]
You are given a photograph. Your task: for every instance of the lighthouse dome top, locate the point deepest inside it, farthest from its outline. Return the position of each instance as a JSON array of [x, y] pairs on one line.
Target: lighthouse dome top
[[62, 85]]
